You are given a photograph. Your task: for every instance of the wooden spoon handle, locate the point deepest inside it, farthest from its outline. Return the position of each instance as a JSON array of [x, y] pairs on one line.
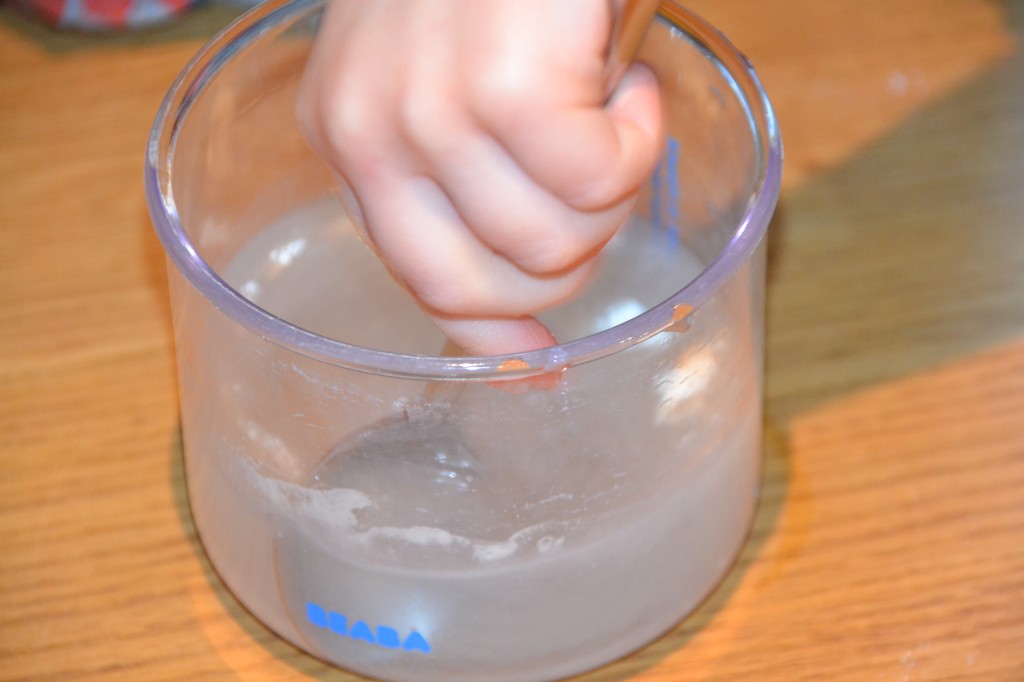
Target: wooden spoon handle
[[627, 34]]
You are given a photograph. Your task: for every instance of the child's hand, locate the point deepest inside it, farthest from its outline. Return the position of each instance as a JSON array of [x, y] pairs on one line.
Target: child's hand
[[475, 136]]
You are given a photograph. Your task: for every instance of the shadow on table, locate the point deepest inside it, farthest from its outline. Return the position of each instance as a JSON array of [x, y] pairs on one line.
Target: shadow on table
[[908, 255]]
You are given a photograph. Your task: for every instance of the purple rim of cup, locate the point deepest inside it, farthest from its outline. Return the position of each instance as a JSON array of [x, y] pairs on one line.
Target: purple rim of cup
[[204, 66]]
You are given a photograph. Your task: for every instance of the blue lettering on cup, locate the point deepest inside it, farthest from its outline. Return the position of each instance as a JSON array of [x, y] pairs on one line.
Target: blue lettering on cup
[[388, 637], [664, 200], [316, 615], [337, 622], [416, 642], [383, 636], [362, 631]]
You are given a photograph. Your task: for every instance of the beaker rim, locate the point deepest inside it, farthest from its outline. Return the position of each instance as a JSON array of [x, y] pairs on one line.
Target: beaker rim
[[747, 235]]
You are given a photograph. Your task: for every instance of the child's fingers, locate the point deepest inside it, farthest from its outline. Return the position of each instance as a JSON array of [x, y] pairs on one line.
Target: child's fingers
[[496, 336], [427, 246], [508, 211], [590, 157]]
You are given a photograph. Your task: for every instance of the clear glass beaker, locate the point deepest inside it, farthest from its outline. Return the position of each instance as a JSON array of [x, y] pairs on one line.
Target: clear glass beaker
[[386, 507]]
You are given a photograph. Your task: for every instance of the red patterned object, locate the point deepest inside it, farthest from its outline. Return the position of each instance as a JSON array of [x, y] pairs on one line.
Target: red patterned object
[[102, 15]]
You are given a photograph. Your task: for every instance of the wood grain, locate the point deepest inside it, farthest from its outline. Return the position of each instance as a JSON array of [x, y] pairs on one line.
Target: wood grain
[[889, 544]]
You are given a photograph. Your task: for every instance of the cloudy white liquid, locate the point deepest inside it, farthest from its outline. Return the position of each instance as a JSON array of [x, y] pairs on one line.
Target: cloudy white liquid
[[517, 537]]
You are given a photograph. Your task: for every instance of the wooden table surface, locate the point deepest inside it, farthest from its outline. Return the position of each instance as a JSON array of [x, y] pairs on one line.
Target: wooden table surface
[[889, 543]]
